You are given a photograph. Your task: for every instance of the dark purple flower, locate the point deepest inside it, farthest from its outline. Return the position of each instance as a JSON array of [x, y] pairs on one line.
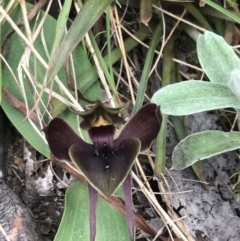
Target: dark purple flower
[[107, 162]]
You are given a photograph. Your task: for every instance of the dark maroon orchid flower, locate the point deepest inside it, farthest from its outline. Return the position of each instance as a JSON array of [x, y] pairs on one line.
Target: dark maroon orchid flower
[[106, 163]]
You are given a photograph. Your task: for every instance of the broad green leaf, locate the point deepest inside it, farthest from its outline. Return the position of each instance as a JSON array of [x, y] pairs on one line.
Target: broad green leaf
[[194, 96], [216, 57], [89, 14], [15, 52], [203, 145], [111, 225]]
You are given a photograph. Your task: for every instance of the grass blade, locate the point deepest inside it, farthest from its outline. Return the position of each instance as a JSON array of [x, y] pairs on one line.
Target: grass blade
[[232, 16]]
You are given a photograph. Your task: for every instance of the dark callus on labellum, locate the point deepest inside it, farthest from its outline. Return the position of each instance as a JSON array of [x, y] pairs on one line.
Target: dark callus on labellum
[[106, 163]]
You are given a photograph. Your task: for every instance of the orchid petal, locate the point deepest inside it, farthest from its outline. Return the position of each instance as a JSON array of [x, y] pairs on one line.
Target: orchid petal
[[144, 125], [60, 137], [127, 189], [93, 197], [106, 173]]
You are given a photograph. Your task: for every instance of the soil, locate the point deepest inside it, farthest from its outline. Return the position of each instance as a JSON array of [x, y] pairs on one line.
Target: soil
[[213, 214], [34, 187]]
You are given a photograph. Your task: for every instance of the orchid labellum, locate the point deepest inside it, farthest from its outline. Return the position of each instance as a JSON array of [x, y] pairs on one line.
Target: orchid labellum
[[106, 163]]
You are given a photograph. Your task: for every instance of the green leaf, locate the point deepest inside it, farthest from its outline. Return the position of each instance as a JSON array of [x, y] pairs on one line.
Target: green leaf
[[194, 96], [234, 83], [25, 128], [89, 14], [15, 52], [216, 57], [111, 225], [203, 145]]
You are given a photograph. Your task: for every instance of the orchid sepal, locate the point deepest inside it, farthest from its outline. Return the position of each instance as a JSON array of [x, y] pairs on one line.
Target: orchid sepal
[[144, 125]]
